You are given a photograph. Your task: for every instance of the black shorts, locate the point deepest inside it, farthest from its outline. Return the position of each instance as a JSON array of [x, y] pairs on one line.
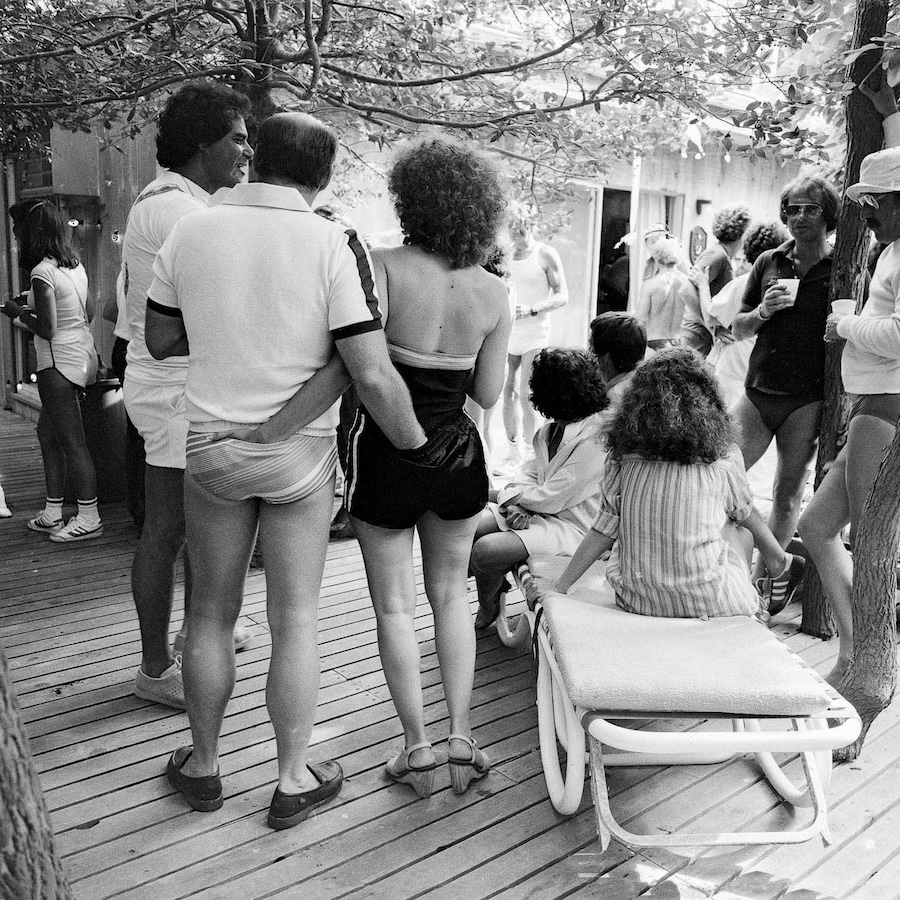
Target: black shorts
[[775, 409], [384, 489]]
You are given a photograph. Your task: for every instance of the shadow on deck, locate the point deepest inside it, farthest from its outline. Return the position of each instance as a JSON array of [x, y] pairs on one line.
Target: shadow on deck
[[69, 630]]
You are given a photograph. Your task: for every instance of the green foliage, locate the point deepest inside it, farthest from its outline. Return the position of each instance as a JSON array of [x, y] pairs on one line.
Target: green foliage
[[562, 89]]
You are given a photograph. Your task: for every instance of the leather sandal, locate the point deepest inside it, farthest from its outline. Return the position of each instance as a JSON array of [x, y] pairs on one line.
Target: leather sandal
[[419, 778], [464, 770]]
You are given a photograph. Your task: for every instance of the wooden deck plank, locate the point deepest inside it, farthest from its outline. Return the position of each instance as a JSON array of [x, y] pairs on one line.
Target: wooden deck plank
[[69, 630]]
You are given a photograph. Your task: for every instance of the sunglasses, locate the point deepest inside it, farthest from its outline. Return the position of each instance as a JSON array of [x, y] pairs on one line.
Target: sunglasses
[[810, 210]]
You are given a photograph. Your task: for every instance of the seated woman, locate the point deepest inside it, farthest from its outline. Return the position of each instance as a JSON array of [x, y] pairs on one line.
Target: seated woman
[[675, 506], [550, 507]]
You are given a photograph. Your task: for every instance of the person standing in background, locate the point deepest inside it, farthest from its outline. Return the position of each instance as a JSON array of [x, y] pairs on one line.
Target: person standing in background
[[58, 317], [537, 275], [202, 145], [728, 229]]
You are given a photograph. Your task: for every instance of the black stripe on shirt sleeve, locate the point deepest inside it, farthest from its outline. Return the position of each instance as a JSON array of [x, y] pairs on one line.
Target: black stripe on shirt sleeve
[[163, 310], [356, 328], [365, 273]]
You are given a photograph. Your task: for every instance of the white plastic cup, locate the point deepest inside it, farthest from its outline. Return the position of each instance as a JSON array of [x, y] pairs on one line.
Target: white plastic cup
[[843, 307], [791, 285]]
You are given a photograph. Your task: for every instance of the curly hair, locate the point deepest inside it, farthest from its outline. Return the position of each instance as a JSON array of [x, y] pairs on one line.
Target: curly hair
[[729, 224], [620, 335], [816, 185], [761, 237], [668, 252], [567, 385], [201, 113], [673, 411], [497, 262], [449, 199], [42, 232]]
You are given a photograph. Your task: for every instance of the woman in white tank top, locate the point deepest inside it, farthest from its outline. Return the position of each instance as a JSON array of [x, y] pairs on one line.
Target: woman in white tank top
[[58, 314]]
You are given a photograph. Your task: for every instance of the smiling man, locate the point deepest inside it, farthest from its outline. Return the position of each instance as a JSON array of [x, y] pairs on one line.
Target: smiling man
[[202, 145]]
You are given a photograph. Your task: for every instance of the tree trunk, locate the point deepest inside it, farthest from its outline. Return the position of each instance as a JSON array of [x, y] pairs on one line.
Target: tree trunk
[[872, 677], [29, 865], [864, 136]]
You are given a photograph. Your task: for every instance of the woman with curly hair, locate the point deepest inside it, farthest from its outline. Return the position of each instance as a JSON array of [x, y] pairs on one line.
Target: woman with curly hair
[[66, 363], [675, 507], [785, 305], [716, 267], [548, 508], [447, 322]]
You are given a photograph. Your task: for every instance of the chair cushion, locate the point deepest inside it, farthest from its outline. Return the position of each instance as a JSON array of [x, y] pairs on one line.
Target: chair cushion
[[612, 660]]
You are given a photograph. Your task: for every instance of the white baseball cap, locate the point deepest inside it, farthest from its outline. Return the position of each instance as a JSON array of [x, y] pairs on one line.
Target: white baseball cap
[[879, 173]]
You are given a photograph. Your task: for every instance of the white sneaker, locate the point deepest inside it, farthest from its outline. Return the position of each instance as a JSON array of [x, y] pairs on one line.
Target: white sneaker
[[5, 511], [76, 529], [168, 689], [44, 524], [243, 638]]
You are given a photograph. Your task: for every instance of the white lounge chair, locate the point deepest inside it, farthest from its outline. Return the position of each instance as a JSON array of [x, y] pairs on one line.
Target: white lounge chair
[[597, 663]]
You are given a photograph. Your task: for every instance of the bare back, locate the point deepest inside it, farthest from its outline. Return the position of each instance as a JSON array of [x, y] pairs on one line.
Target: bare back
[[435, 309]]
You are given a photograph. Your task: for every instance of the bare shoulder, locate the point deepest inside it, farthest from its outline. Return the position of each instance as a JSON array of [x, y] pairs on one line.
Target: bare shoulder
[[548, 256]]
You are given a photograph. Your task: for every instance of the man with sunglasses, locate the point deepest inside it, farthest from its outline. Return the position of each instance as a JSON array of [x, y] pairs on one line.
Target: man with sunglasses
[[785, 383]]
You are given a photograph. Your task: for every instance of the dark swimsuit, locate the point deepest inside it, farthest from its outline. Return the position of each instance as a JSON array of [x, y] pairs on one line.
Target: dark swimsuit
[[382, 487]]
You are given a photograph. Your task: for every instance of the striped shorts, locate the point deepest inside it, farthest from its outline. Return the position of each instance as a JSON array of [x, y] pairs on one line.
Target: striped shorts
[[281, 472]]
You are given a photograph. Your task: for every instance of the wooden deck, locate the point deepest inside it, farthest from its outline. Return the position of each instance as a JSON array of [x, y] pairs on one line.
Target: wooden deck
[[69, 630]]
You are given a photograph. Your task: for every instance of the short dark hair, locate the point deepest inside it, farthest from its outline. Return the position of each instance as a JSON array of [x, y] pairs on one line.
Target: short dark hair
[[828, 197], [199, 114], [297, 146], [620, 335], [567, 385], [673, 410], [42, 232], [449, 198], [761, 237], [729, 224]]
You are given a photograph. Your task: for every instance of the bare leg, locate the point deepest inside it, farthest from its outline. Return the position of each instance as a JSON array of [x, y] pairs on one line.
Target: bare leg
[[293, 581], [820, 527], [387, 554], [841, 498], [153, 568], [493, 555], [67, 445], [221, 535], [528, 414], [753, 435], [446, 546], [796, 440], [741, 540], [511, 397]]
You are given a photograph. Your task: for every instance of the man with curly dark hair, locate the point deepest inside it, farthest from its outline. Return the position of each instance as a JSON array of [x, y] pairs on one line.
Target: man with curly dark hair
[[550, 504], [202, 144], [729, 225]]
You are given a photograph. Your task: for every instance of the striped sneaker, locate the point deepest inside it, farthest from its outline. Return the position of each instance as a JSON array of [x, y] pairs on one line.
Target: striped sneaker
[[76, 530], [44, 524]]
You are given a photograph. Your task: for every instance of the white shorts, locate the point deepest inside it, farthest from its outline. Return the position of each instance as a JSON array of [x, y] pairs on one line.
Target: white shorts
[[157, 411]]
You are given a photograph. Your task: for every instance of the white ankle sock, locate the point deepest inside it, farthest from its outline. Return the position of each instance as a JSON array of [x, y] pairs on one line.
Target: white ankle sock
[[87, 511], [53, 509]]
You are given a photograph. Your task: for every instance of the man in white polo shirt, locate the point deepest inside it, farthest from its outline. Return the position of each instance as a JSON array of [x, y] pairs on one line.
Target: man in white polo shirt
[[260, 292], [202, 144]]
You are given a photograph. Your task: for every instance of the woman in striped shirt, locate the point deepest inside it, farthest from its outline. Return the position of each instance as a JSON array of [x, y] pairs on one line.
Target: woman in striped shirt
[[676, 511]]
